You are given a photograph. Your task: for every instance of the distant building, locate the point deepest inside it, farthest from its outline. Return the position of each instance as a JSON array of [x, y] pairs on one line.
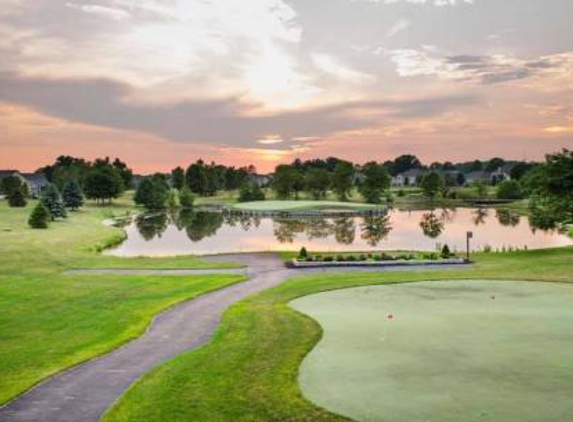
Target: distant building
[[408, 178], [262, 180], [36, 182], [488, 177]]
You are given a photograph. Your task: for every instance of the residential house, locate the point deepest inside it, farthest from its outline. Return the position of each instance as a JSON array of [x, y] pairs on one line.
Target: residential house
[[408, 178], [262, 180], [490, 178], [36, 182]]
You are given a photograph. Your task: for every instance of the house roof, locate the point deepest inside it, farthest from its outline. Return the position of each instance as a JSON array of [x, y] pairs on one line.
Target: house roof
[[7, 173], [478, 175], [36, 178], [413, 173]]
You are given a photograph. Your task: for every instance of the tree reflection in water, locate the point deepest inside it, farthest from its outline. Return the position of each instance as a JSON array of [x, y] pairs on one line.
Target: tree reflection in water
[[507, 218], [345, 230], [152, 225], [286, 230], [375, 229], [480, 216], [432, 225]]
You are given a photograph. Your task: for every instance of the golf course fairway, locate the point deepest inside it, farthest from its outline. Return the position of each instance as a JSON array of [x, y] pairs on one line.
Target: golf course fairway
[[443, 351]]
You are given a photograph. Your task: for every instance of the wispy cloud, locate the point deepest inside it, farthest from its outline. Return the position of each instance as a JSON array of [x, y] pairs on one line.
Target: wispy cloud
[[438, 3], [483, 69]]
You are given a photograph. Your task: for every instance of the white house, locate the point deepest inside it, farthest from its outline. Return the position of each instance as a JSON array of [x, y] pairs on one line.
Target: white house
[[408, 178]]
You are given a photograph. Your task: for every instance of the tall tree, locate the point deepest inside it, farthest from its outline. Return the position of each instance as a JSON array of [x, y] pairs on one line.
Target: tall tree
[[152, 193], [432, 184], [52, 200], [554, 202], [178, 178], [186, 198], [406, 162], [284, 181], [376, 182], [317, 181], [103, 183], [72, 195], [196, 178], [343, 180]]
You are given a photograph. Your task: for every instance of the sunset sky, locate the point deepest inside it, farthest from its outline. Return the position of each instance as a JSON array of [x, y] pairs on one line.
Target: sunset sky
[[161, 83]]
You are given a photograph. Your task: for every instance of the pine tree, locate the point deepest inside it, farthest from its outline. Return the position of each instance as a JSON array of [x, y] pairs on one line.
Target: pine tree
[[17, 198], [52, 200], [72, 195], [39, 217]]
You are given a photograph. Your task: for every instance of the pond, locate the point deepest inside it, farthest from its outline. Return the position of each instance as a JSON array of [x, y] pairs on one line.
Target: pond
[[203, 232]]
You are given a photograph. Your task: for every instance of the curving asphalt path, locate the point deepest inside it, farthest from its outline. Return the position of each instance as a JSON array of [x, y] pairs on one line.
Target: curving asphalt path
[[84, 393]]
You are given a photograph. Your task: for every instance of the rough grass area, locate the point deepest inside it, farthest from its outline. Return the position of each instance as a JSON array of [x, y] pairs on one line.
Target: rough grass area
[[248, 373], [301, 206], [469, 350], [50, 321]]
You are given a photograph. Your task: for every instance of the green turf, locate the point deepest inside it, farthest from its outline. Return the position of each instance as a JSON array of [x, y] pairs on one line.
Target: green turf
[[450, 352], [49, 321], [301, 205], [248, 373]]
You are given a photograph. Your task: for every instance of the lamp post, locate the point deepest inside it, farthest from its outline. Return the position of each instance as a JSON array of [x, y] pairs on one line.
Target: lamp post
[[469, 235]]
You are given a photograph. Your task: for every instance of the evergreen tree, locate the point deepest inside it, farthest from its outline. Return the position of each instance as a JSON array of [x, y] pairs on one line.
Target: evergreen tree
[[186, 198], [72, 195], [17, 198], [178, 178], [52, 200], [39, 217]]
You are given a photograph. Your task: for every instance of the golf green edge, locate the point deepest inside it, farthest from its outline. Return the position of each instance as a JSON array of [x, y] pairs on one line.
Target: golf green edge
[[249, 372]]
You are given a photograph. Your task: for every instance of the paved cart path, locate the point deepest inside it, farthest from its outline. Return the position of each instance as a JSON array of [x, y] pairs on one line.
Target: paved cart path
[[85, 392]]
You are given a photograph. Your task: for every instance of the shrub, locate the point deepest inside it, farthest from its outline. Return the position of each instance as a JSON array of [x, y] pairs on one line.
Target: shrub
[[363, 258], [186, 198], [340, 258], [303, 253], [351, 258], [39, 217], [509, 189], [386, 257], [328, 259]]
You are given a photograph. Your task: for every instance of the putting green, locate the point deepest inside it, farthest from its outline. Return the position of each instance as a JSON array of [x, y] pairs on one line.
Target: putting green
[[301, 205], [443, 351]]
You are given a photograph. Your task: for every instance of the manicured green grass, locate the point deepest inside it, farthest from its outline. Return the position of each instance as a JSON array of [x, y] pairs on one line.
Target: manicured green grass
[[449, 353], [249, 371], [301, 205], [50, 321]]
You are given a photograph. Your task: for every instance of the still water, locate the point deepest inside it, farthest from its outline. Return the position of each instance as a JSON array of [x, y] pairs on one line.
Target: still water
[[213, 233]]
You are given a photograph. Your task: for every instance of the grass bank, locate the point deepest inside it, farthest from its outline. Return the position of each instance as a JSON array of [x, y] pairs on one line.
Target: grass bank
[[249, 371], [49, 321]]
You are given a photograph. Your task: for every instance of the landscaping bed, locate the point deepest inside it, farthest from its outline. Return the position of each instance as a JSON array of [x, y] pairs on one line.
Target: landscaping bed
[[383, 259]]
